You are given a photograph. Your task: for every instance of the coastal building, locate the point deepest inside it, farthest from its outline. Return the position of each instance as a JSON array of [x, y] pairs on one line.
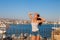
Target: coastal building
[[59, 22], [2, 30], [9, 22], [45, 22], [25, 22]]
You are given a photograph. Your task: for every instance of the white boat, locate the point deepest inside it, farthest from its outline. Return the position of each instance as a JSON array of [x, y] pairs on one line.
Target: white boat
[[56, 28]]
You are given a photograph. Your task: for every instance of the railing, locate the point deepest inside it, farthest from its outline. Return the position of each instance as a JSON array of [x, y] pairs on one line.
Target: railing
[[23, 35]]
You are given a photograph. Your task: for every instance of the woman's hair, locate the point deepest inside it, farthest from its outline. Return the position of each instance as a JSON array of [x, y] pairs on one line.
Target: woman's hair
[[40, 22], [39, 19], [38, 15]]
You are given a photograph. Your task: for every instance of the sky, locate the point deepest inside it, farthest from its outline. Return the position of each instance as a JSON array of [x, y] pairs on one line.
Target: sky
[[19, 9]]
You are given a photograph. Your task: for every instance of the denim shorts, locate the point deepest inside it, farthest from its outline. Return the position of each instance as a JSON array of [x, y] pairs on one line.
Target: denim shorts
[[35, 33]]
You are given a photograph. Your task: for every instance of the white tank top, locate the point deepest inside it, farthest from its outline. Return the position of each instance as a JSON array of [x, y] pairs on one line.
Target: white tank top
[[34, 27]]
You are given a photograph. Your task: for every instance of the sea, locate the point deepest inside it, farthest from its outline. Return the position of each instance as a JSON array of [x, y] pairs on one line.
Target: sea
[[44, 30]]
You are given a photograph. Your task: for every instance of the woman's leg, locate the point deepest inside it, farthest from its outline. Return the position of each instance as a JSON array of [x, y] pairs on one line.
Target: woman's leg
[[38, 35], [33, 37], [38, 38]]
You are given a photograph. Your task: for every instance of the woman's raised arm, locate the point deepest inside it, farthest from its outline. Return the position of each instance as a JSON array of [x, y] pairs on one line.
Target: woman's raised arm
[[42, 20], [30, 15]]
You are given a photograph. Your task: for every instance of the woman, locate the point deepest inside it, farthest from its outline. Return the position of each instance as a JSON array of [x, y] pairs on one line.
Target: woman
[[35, 21]]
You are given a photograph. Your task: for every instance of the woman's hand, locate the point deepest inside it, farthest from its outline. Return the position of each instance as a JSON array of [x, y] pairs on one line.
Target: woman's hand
[[30, 15]]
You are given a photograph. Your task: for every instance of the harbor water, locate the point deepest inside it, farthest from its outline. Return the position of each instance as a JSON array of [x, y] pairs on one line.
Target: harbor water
[[45, 29]]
